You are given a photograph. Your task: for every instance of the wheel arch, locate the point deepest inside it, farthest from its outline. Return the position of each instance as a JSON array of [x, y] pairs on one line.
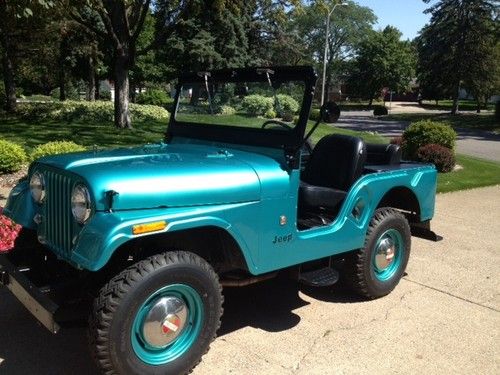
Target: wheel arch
[[404, 199], [214, 244]]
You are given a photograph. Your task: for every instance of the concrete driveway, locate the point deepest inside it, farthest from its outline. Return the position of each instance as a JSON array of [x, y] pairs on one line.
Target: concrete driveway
[[444, 316], [481, 144]]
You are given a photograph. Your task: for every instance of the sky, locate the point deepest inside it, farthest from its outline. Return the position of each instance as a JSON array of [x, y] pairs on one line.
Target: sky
[[406, 15]]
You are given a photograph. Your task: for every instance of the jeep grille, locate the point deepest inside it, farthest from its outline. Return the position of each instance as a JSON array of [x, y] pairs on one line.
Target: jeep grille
[[57, 226]]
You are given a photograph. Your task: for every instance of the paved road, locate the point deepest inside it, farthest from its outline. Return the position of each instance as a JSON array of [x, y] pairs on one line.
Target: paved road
[[443, 318], [481, 144]]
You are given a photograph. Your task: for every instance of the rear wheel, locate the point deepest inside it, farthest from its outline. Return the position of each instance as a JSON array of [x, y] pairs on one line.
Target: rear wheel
[[376, 269], [159, 316]]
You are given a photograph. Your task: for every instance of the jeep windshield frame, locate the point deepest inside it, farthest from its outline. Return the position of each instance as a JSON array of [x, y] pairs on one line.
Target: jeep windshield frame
[[287, 139]]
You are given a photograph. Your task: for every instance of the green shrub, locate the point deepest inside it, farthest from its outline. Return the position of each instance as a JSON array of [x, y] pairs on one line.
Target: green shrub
[[55, 148], [315, 114], [426, 132], [270, 113], [442, 157], [257, 104], [380, 110], [497, 111], [148, 112], [154, 97], [12, 157], [226, 110], [98, 111], [288, 104]]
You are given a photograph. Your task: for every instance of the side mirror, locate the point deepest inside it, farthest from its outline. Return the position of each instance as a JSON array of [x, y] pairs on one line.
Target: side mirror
[[330, 112]]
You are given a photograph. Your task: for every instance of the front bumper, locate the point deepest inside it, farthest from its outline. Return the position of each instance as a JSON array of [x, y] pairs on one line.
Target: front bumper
[[37, 303]]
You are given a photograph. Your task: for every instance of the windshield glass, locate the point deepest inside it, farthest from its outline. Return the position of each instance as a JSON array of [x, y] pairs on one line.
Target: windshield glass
[[241, 104]]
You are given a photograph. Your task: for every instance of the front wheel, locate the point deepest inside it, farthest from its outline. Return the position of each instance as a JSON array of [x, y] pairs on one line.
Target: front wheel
[[376, 269], [158, 316]]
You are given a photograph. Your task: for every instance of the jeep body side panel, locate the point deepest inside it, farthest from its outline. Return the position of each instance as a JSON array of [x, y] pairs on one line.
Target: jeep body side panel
[[283, 246], [266, 244]]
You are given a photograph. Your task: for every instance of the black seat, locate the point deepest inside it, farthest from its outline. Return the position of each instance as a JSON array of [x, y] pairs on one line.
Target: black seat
[[383, 154], [335, 164]]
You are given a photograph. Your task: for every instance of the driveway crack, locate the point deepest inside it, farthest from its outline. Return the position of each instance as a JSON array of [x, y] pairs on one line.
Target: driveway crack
[[451, 294]]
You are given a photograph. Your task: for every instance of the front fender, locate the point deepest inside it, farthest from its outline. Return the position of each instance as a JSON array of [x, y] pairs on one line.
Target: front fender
[[107, 231], [20, 207]]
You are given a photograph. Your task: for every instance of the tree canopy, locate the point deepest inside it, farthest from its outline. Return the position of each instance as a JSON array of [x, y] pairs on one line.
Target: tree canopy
[[456, 49], [383, 60]]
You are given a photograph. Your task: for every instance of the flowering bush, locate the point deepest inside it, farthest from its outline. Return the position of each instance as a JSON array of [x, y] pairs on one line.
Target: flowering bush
[[8, 232], [442, 157]]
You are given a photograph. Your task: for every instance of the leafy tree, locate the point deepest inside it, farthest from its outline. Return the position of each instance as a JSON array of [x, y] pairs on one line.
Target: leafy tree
[[14, 35], [383, 60], [349, 26], [455, 48], [211, 35], [119, 23]]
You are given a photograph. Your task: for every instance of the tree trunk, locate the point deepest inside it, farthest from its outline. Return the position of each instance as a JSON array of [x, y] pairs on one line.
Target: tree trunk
[[8, 75], [91, 81], [122, 87], [478, 106], [97, 86], [195, 94], [62, 83], [454, 108], [370, 103], [132, 91]]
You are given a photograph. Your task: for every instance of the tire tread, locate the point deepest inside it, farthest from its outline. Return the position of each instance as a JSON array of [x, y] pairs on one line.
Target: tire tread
[[108, 300]]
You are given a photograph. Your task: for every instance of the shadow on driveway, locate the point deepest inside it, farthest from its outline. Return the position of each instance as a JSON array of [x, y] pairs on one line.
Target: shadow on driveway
[[28, 348]]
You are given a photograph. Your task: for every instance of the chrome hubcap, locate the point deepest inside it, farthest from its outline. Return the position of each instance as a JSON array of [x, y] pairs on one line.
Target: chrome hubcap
[[165, 321], [385, 254]]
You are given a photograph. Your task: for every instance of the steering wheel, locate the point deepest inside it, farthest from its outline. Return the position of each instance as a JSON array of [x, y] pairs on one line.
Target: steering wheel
[[306, 147], [277, 122]]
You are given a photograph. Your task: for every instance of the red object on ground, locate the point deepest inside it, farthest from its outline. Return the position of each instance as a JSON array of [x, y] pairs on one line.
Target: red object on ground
[[8, 232]]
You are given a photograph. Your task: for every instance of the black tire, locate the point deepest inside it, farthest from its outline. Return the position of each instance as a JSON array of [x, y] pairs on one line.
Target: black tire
[[120, 302], [361, 271]]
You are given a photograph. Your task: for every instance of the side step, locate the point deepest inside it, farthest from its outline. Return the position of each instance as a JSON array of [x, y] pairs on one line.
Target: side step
[[321, 277]]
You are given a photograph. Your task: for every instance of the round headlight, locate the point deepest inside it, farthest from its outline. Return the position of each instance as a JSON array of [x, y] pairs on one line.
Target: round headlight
[[80, 203], [37, 187]]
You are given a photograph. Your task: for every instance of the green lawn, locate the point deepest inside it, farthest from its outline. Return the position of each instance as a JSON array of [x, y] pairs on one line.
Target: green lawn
[[463, 105], [475, 173], [483, 121], [324, 129], [30, 134]]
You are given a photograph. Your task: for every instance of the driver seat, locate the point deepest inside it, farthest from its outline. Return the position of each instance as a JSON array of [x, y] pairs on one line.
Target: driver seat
[[335, 164]]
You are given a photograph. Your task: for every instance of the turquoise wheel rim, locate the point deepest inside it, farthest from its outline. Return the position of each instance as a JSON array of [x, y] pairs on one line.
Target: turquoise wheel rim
[[160, 355], [388, 254]]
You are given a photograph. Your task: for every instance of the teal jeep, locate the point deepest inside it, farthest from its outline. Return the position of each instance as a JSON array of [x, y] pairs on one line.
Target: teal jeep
[[151, 235]]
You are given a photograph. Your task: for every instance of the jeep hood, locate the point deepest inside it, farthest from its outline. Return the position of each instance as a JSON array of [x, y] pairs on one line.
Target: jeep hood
[[162, 176]]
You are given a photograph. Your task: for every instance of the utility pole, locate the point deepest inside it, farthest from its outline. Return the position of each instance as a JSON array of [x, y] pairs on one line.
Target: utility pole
[[326, 49]]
